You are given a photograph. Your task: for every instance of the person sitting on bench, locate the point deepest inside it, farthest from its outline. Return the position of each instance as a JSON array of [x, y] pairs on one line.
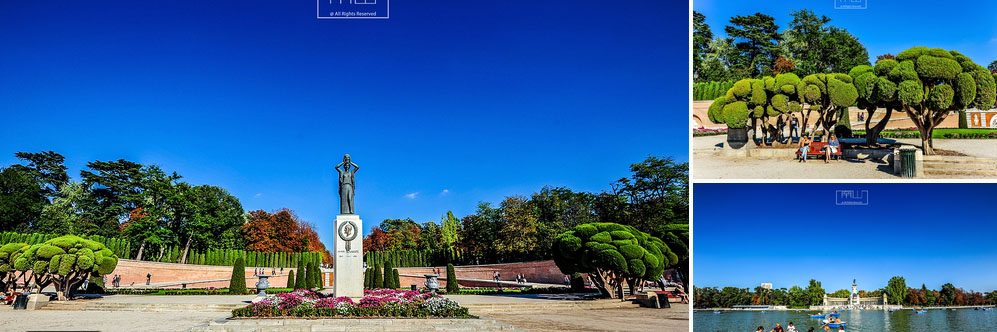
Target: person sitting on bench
[[831, 148], [804, 147]]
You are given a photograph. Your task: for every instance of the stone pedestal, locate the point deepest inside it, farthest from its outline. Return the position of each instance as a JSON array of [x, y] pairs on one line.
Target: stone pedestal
[[37, 301], [348, 265]]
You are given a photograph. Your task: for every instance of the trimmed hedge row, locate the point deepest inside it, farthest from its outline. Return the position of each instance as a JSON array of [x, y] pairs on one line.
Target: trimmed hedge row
[[710, 90]]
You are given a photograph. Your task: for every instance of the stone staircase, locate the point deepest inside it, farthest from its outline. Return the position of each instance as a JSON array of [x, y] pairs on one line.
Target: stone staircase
[[349, 324], [486, 308], [141, 307], [964, 167]]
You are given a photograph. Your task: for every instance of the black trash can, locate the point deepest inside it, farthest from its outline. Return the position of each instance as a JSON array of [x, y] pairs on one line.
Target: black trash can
[[20, 302], [907, 159]]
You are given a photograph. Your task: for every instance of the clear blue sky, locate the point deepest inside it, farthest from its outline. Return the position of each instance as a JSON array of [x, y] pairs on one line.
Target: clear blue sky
[[885, 26], [747, 234], [443, 105]]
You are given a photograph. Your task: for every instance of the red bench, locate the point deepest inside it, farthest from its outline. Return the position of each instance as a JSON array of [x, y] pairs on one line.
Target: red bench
[[817, 149], [10, 298]]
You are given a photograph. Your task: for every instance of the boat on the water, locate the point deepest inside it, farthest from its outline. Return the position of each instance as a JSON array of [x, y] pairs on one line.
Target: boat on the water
[[922, 311]]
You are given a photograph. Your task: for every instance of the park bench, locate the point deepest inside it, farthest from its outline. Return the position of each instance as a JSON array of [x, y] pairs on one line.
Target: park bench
[[10, 298], [817, 149]]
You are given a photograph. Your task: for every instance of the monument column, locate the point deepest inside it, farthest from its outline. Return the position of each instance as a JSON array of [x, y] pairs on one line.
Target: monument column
[[347, 269], [348, 266]]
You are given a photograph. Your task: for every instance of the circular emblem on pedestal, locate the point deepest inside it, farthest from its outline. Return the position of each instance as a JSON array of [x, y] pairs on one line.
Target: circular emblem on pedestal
[[347, 232]]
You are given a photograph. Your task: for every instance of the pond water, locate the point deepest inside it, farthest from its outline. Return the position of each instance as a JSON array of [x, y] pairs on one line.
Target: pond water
[[858, 321]]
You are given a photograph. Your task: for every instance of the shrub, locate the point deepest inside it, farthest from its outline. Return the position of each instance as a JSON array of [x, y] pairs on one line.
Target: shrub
[[300, 281], [388, 278], [290, 279], [378, 277], [452, 285], [237, 285]]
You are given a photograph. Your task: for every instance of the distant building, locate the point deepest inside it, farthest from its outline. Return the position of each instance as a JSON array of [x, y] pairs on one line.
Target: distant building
[[767, 285]]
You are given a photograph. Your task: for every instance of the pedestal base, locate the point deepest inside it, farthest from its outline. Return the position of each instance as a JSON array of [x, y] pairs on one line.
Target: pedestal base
[[348, 265]]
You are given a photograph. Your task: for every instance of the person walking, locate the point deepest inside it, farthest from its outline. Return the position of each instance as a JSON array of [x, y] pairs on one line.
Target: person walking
[[780, 127], [567, 281], [148, 279]]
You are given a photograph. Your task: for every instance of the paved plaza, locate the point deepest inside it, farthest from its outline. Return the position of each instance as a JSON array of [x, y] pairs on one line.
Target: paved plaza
[[710, 162], [184, 313]]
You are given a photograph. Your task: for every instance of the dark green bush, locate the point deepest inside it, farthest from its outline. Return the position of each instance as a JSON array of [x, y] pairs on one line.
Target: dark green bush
[[300, 280], [452, 285], [237, 285]]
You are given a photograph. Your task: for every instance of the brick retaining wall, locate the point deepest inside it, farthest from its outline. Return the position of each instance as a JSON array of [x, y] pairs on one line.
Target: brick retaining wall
[[135, 271]]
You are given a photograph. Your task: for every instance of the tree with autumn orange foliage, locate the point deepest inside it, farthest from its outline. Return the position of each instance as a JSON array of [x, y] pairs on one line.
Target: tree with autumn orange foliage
[[783, 65], [281, 231]]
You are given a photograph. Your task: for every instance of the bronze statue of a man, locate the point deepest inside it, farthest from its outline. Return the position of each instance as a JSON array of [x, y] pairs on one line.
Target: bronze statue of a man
[[346, 184]]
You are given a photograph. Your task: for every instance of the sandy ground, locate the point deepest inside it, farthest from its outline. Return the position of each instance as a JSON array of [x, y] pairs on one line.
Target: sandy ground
[[707, 164]]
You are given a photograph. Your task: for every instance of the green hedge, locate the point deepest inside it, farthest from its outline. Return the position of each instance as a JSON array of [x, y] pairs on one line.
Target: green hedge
[[710, 90], [171, 254], [949, 133], [192, 291]]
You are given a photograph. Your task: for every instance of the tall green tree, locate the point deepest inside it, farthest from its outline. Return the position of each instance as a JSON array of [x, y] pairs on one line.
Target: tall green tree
[[701, 38], [815, 293], [65, 214], [21, 200], [817, 47], [896, 290], [450, 232], [47, 168], [756, 40]]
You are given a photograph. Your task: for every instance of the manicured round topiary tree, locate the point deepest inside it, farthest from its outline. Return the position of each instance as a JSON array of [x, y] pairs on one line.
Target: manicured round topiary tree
[[237, 285], [612, 254], [290, 279], [66, 261], [875, 91], [452, 286], [756, 100], [932, 83], [8, 254], [826, 94]]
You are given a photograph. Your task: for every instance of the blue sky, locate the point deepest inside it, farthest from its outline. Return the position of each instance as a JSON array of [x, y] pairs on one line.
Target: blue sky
[[443, 105], [885, 26], [926, 233]]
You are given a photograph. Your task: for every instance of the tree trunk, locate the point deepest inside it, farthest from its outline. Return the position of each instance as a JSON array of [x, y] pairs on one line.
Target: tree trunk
[[872, 134], [186, 247], [162, 250], [140, 249]]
